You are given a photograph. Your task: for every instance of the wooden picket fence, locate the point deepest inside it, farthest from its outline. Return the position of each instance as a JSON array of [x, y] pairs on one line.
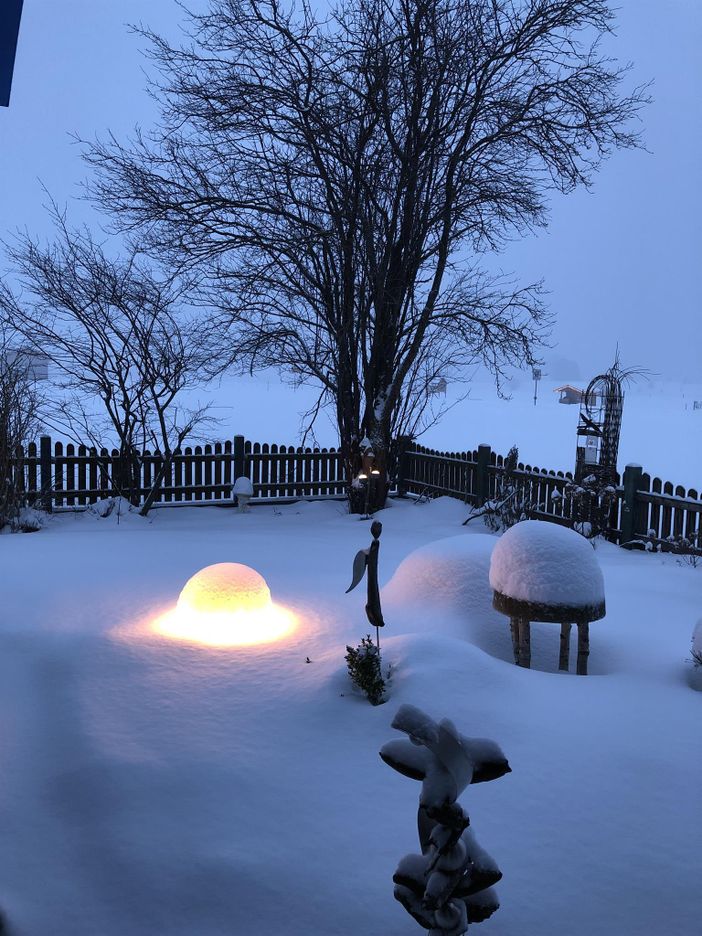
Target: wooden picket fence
[[645, 509], [73, 476]]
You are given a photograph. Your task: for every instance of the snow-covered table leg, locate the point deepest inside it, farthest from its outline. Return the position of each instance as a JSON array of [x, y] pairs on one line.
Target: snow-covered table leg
[[524, 643], [564, 657], [583, 648]]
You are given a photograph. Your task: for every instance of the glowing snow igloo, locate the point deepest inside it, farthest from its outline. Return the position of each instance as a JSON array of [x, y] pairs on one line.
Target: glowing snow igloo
[[225, 605]]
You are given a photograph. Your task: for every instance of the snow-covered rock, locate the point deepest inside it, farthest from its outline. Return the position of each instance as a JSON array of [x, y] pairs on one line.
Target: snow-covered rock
[[545, 563], [449, 573]]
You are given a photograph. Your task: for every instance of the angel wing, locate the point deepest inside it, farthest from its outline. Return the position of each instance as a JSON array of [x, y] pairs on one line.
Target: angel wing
[[359, 568]]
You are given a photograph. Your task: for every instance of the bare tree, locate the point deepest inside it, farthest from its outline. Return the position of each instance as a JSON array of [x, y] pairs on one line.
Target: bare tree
[[121, 346], [20, 420], [338, 181]]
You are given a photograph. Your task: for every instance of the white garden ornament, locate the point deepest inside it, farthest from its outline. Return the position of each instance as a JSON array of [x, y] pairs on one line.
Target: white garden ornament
[[243, 491]]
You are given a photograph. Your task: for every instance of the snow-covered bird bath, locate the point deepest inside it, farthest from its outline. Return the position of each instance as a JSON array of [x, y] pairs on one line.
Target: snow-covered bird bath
[[544, 572]]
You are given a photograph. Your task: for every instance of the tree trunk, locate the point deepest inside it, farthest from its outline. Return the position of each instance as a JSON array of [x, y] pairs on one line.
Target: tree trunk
[[156, 484], [368, 474]]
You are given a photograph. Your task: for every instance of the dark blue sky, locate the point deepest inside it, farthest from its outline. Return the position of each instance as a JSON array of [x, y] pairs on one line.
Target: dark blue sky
[[622, 263]]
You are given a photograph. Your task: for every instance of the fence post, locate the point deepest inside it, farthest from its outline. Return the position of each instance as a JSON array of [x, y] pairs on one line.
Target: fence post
[[632, 482], [482, 478], [403, 444], [45, 471], [238, 456]]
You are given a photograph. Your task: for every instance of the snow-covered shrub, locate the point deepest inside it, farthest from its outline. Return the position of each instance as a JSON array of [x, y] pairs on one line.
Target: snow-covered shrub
[[592, 500], [688, 548], [110, 506], [29, 520], [364, 666], [512, 501]]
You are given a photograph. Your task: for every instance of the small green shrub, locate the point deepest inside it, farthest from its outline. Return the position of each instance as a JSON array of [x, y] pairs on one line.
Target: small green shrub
[[364, 668]]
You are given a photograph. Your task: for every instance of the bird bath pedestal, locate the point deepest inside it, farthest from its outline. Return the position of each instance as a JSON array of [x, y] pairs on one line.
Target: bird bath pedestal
[[522, 613]]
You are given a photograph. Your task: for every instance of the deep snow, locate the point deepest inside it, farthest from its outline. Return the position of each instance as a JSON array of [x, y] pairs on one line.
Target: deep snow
[[151, 786]]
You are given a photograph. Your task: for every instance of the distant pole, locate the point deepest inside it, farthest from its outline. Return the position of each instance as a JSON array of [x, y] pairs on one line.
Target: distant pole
[[536, 374]]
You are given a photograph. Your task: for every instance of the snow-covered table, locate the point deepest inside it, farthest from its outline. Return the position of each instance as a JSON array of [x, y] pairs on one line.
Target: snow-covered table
[[541, 571]]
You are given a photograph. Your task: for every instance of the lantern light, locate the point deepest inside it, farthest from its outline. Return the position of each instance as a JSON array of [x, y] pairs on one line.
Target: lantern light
[[226, 605]]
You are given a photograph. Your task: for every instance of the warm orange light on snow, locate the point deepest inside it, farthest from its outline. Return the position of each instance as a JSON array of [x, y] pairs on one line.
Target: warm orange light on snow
[[226, 605]]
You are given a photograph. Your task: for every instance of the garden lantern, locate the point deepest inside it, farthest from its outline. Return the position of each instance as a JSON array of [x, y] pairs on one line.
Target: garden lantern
[[226, 605]]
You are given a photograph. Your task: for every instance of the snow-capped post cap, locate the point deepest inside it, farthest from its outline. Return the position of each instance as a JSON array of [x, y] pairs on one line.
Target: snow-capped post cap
[[548, 567], [244, 486]]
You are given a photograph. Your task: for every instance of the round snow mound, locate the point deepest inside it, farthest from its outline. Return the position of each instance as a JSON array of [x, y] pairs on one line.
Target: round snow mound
[[544, 563], [225, 587], [449, 573]]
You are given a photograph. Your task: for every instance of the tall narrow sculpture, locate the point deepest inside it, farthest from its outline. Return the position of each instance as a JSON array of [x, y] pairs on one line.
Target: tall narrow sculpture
[[368, 559], [449, 885]]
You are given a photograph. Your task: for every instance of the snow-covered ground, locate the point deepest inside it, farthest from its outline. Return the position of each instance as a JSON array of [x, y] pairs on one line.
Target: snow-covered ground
[[151, 786], [660, 428]]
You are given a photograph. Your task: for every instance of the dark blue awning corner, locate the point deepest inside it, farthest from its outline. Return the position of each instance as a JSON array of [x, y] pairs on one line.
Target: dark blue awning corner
[[10, 14]]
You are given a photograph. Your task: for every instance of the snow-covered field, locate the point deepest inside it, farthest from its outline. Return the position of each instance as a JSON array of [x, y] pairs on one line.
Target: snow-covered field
[[160, 787], [660, 428]]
